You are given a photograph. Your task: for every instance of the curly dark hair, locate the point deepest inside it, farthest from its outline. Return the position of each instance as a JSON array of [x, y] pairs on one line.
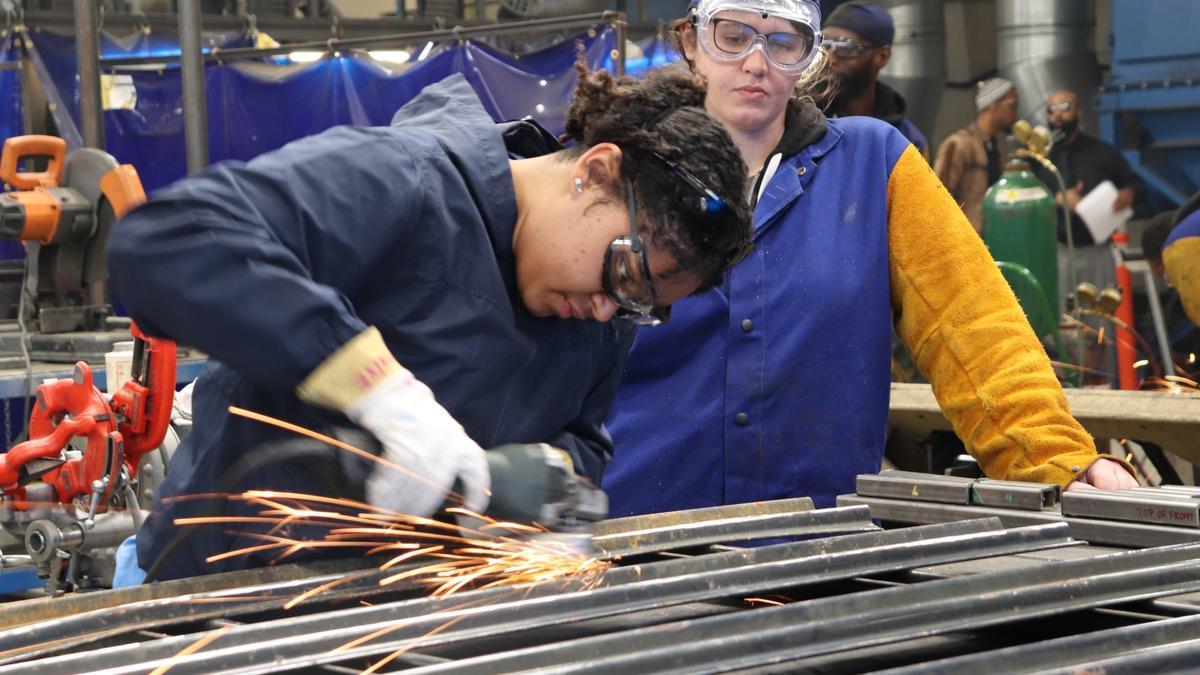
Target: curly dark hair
[[659, 118]]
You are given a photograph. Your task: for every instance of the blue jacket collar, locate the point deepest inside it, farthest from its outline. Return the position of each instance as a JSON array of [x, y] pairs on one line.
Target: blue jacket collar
[[789, 180]]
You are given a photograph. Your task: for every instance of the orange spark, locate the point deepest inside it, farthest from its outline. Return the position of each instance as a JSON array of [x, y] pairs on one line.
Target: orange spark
[[190, 649]]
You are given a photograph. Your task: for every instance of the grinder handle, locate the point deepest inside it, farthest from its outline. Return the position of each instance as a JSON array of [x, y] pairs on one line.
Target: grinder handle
[[18, 148]]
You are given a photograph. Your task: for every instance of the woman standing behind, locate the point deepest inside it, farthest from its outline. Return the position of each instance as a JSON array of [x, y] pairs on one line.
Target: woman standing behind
[[776, 383]]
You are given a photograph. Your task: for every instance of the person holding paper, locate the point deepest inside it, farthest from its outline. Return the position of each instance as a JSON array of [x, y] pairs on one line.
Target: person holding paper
[[1086, 162]]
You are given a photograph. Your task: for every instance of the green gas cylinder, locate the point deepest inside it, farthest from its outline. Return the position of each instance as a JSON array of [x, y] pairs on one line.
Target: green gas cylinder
[[1019, 228]]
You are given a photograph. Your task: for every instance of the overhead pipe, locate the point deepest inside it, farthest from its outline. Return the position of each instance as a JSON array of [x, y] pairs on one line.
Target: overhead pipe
[[195, 106], [87, 53]]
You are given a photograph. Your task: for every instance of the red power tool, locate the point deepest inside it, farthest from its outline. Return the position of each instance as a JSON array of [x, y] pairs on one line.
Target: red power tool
[[69, 488]]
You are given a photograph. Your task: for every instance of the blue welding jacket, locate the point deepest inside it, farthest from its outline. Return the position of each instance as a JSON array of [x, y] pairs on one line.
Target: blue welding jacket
[[269, 266], [776, 384]]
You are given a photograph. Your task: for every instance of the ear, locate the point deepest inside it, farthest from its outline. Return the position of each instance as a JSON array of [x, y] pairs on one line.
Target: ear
[[882, 56], [687, 33], [599, 165]]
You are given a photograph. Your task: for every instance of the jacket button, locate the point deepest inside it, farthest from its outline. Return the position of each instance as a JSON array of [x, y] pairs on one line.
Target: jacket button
[[747, 325], [1075, 469], [801, 171], [742, 419]]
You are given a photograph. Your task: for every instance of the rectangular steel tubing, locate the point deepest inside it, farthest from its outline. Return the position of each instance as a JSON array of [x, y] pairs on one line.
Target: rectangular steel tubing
[[310, 641], [714, 562], [88, 618], [47, 637], [1062, 652], [77, 630], [744, 528], [1181, 657], [776, 635], [1005, 494], [45, 609], [1178, 510], [915, 486], [676, 518], [1111, 532]]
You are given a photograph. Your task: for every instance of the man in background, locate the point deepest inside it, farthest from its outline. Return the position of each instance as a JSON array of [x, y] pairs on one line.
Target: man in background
[[857, 37], [1085, 162], [973, 158]]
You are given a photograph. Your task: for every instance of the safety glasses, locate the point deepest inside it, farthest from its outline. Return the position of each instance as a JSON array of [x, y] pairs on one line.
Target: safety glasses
[[1065, 106], [726, 39], [846, 48], [626, 277]]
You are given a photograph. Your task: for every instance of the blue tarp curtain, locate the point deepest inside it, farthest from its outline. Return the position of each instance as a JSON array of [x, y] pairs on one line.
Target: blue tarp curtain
[[256, 107], [12, 118]]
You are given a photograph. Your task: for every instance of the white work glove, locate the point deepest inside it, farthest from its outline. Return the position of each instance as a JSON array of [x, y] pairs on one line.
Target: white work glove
[[430, 448], [425, 451]]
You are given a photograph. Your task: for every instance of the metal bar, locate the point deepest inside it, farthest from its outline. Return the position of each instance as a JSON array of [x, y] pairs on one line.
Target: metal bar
[[746, 528], [560, 23], [88, 618], [1160, 326], [1165, 508], [777, 635], [677, 518], [75, 630], [1111, 532], [87, 54], [1185, 489], [1006, 494], [915, 486], [1062, 652], [195, 106], [24, 612], [1177, 658], [619, 52], [309, 641], [801, 549]]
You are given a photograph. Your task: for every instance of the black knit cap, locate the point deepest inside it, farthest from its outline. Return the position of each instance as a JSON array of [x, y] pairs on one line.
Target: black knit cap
[[870, 21]]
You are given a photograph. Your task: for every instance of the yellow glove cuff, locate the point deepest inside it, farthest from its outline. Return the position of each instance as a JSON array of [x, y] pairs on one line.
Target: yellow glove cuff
[[350, 372], [1182, 260]]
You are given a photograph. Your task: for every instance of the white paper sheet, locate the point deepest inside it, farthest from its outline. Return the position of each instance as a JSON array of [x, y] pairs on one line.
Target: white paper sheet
[[1095, 209]]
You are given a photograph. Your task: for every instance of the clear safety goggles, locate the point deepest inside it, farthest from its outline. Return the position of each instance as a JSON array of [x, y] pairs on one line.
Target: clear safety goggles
[[846, 48], [727, 39], [627, 279]]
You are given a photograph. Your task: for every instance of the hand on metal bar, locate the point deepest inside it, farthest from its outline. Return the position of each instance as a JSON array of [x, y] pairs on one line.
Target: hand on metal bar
[[1105, 474]]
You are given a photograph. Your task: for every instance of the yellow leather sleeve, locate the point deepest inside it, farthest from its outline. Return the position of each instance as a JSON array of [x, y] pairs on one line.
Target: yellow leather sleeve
[[1182, 260], [968, 336]]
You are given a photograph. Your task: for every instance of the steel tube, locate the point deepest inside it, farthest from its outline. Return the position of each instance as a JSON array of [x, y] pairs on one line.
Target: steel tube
[[309, 641], [84, 623], [676, 518], [1112, 532], [915, 486], [747, 528], [559, 23], [1161, 507], [195, 106], [780, 634], [1160, 326], [1005, 494], [1064, 652], [87, 53]]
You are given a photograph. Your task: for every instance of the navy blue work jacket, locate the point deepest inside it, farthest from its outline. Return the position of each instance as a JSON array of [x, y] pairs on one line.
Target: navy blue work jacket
[[776, 384], [269, 266]]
